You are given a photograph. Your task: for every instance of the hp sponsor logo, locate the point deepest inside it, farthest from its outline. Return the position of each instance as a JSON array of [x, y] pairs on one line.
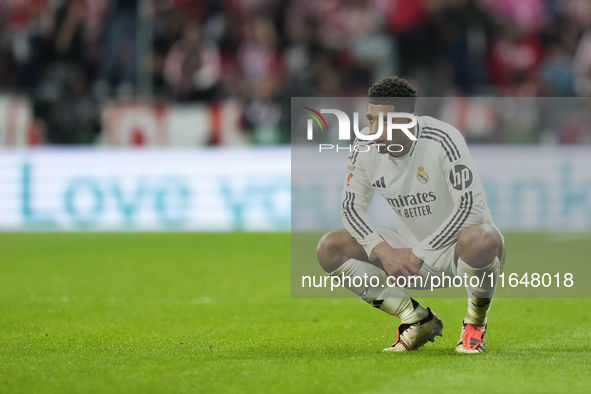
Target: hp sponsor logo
[[461, 177]]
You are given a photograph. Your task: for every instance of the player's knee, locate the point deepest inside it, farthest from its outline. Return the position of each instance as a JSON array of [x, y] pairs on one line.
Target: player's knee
[[329, 249], [480, 244]]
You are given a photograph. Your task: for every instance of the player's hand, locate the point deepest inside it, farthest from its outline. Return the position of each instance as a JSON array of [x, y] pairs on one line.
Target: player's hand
[[397, 262]]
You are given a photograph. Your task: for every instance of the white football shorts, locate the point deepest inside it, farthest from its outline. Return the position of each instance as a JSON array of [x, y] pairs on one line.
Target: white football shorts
[[445, 265]]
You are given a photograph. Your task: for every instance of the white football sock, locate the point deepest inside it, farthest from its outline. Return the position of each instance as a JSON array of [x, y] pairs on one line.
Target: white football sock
[[392, 300], [479, 297]]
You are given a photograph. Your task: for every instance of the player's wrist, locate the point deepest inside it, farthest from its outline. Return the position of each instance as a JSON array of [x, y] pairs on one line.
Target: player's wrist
[[414, 259], [381, 248]]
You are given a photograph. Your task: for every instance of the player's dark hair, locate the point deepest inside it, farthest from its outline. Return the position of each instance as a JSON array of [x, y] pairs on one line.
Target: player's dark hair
[[394, 91]]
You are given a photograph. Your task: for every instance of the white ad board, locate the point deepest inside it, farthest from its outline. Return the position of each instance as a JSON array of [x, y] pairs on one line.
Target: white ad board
[[145, 190], [528, 189]]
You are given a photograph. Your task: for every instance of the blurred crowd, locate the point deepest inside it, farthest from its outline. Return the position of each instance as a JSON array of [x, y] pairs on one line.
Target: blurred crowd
[[72, 56]]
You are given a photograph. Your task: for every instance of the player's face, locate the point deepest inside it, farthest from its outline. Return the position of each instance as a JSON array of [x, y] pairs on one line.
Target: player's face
[[398, 136]]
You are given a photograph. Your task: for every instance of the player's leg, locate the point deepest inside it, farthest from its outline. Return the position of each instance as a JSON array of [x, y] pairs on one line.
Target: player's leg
[[336, 248], [340, 255], [479, 253]]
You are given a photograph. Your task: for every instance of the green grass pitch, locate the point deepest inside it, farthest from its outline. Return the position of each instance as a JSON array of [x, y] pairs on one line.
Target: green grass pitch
[[212, 313]]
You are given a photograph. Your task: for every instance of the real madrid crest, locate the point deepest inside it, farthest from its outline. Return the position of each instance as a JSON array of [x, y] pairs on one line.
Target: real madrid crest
[[422, 176]]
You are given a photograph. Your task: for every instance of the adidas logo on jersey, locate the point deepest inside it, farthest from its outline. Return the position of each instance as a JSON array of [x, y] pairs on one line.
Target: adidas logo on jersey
[[380, 184]]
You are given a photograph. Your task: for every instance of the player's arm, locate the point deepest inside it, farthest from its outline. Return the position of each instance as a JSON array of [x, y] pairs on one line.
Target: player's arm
[[468, 196], [356, 198]]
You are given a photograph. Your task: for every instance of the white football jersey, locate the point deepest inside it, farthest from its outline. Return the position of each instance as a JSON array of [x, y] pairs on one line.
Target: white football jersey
[[434, 189]]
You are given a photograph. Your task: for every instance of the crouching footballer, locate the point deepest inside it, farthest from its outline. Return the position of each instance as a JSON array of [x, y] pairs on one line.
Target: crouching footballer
[[444, 224]]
